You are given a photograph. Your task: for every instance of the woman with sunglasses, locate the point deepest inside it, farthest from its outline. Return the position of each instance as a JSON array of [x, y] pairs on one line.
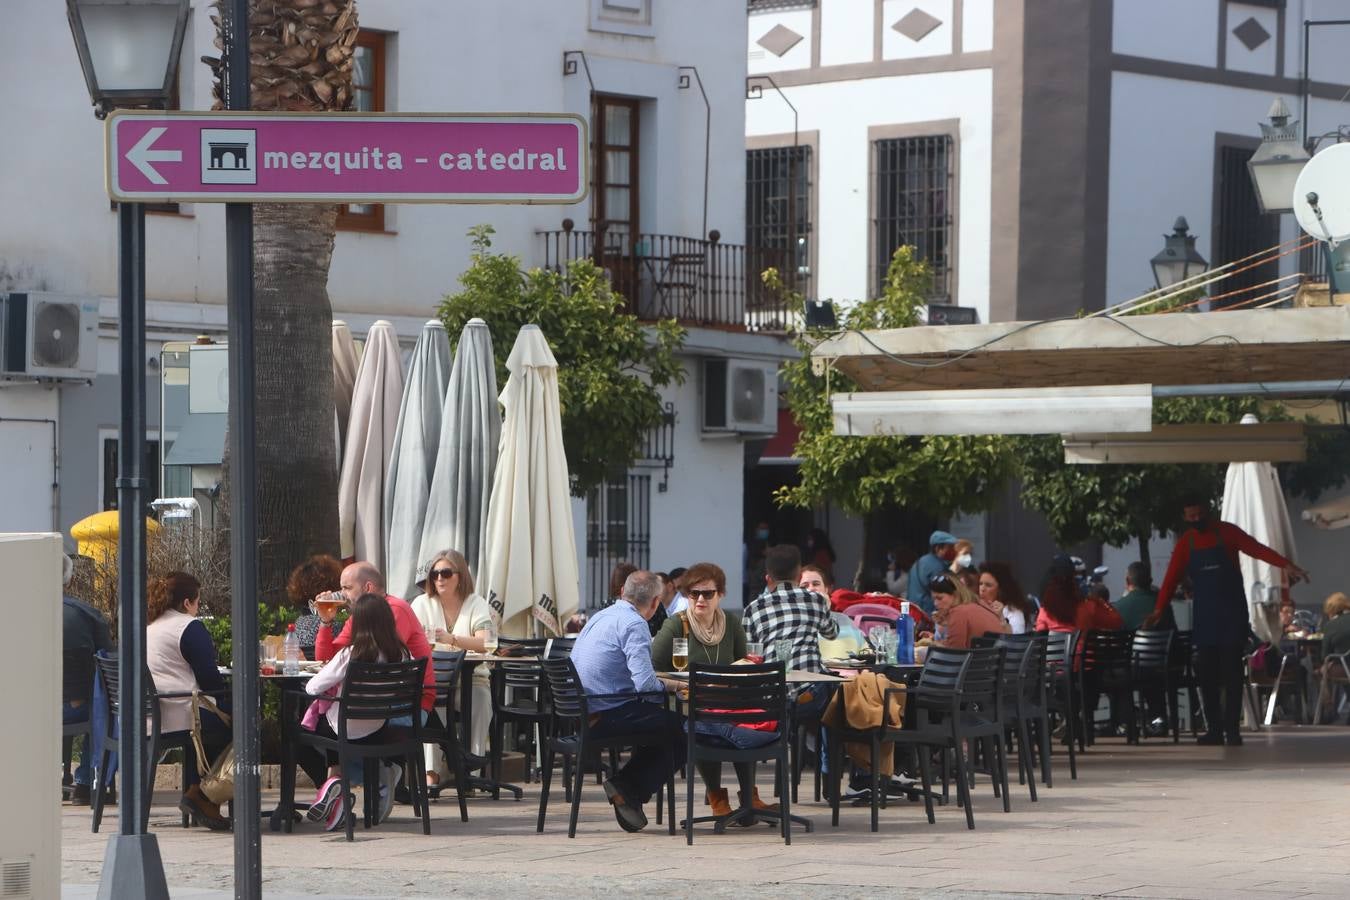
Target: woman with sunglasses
[[451, 613], [715, 637]]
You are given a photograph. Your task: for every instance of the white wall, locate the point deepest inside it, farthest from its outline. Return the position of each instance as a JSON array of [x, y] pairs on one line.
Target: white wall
[[1162, 166], [1164, 29], [842, 112], [443, 57], [698, 519], [27, 439]]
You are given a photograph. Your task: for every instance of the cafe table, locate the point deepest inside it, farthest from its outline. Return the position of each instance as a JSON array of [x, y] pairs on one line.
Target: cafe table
[[287, 684]]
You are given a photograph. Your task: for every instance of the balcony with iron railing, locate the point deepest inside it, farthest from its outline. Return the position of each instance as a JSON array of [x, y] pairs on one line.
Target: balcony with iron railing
[[697, 282]]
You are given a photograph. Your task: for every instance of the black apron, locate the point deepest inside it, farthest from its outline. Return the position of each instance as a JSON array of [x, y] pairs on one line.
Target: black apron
[[1219, 613]]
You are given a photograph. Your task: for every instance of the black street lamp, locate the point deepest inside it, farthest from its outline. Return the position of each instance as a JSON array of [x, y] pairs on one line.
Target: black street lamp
[[1275, 165], [1178, 260], [129, 52]]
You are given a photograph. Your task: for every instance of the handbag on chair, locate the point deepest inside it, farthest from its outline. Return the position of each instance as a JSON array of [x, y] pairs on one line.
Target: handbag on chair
[[217, 778]]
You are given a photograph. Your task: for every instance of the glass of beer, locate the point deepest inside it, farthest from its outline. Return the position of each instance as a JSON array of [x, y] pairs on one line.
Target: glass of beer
[[679, 654], [327, 605], [754, 651], [490, 640]]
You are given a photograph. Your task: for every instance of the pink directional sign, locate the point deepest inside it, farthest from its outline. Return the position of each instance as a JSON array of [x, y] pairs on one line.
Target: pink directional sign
[[346, 157]]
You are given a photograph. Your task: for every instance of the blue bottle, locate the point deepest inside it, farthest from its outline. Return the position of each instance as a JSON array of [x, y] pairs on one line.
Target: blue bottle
[[904, 637]]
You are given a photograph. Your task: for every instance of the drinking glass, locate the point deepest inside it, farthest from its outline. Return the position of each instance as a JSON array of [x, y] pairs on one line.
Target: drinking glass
[[782, 651], [754, 651], [679, 654], [265, 666], [490, 640]]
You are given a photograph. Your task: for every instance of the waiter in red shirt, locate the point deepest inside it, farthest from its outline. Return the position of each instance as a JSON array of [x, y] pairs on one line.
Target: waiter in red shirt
[[1207, 552]]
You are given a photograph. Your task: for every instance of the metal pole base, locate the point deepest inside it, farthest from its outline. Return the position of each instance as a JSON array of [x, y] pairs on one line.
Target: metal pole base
[[132, 868]]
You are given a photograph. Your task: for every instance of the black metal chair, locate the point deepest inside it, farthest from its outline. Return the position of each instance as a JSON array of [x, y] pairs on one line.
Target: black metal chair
[[1061, 695], [370, 691], [739, 695], [517, 699], [568, 733], [1181, 662], [1024, 707], [159, 743], [1104, 668], [448, 666], [955, 702], [1151, 680]]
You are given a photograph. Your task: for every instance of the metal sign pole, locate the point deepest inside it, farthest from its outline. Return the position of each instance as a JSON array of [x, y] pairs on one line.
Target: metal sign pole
[[243, 488], [132, 865]]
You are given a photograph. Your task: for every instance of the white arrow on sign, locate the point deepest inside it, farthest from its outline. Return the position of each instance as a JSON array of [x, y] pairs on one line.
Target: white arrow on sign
[[141, 156]]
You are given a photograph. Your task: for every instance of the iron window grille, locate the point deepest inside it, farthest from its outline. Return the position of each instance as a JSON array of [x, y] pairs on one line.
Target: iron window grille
[[657, 450], [913, 206], [1241, 229], [618, 529], [778, 195]]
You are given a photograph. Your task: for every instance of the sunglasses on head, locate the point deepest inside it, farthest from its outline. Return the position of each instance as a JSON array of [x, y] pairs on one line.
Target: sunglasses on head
[[938, 579], [440, 573], [703, 595]]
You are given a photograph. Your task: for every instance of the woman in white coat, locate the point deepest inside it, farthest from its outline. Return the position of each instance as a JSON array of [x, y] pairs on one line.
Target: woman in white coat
[[451, 613]]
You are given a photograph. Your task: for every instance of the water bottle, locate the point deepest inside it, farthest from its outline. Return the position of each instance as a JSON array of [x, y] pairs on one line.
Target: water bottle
[[290, 652], [904, 636]]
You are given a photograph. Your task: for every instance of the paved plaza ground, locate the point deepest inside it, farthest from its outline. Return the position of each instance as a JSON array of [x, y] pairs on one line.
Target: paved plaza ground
[[1267, 820]]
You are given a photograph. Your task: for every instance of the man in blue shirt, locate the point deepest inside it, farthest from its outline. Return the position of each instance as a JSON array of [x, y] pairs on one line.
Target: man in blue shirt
[[613, 656], [937, 561]]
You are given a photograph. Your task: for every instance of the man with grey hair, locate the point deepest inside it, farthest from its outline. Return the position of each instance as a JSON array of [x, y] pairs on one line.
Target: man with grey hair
[[613, 656]]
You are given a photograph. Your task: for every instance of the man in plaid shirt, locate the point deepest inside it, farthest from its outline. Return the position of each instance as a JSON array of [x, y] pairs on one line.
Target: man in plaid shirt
[[788, 612]]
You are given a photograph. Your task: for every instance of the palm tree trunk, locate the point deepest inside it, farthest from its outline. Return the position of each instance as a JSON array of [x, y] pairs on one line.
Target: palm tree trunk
[[301, 61], [296, 452]]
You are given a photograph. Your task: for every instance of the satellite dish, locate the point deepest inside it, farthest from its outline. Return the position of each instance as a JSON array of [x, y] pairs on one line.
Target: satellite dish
[[1327, 175]]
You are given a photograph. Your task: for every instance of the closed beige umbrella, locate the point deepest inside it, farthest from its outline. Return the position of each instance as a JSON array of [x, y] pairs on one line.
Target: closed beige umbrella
[[376, 398], [415, 444], [1254, 501], [531, 569], [346, 360]]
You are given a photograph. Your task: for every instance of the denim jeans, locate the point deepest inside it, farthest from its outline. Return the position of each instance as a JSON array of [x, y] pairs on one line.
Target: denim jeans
[[649, 767]]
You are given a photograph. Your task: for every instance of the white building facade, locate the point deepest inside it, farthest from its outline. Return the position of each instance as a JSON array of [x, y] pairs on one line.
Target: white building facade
[[668, 171], [1032, 151]]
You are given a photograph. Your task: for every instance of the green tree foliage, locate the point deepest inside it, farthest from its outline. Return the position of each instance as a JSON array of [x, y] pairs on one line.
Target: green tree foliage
[[609, 366], [939, 475]]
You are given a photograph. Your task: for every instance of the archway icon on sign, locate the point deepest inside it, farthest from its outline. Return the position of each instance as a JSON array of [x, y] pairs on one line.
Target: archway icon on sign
[[229, 156]]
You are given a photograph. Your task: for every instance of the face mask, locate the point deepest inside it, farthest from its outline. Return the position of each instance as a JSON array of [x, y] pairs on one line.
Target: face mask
[[964, 560], [762, 534]]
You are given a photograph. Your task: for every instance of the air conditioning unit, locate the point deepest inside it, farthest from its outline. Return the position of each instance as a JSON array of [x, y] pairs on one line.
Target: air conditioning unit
[[740, 397], [48, 335]]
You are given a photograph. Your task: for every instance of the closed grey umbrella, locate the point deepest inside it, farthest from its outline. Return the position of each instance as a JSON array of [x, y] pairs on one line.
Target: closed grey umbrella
[[456, 516], [370, 443], [346, 360], [416, 441]]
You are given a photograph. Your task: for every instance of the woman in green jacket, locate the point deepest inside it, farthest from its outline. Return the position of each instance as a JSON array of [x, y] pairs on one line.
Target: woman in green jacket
[[715, 637]]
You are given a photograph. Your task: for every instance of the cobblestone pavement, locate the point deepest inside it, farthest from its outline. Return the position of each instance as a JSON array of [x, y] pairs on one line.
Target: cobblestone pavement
[[1267, 820]]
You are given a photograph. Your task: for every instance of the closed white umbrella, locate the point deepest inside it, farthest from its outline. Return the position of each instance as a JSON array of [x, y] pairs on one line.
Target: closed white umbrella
[[370, 443], [531, 551], [416, 441], [456, 516], [1254, 501], [346, 360], [1332, 514]]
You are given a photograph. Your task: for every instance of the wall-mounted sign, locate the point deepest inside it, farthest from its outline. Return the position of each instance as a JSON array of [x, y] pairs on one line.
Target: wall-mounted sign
[[224, 157]]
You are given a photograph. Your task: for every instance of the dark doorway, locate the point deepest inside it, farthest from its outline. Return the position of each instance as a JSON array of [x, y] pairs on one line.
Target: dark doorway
[[1240, 229]]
